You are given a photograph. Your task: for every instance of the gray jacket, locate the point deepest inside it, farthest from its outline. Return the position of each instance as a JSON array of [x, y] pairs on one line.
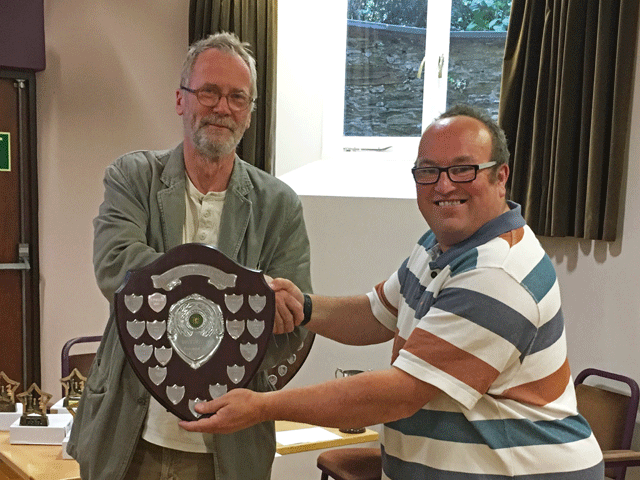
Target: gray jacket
[[142, 216]]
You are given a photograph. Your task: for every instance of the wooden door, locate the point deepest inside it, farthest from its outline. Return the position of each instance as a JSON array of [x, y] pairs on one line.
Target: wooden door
[[19, 292]]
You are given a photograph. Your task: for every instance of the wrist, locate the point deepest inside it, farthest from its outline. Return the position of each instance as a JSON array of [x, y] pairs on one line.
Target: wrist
[[307, 307]]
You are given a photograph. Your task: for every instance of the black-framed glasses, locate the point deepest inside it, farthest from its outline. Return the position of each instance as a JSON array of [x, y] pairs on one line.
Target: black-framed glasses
[[210, 96], [456, 173]]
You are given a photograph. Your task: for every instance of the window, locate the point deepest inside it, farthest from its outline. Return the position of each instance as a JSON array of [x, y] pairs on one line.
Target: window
[[405, 62]]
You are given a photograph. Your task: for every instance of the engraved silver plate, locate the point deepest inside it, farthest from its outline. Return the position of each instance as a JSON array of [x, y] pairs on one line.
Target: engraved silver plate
[[192, 404], [133, 302], [217, 390], [235, 328], [172, 278], [255, 327], [175, 393], [157, 374], [156, 329], [135, 328], [157, 302], [143, 352], [195, 329], [235, 373], [163, 355], [257, 302], [248, 351], [233, 302]]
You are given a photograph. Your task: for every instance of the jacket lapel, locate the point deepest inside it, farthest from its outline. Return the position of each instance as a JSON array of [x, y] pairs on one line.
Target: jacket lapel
[[236, 212], [172, 199]]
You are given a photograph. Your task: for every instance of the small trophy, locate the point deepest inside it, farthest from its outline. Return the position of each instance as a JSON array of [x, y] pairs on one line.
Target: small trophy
[[73, 385], [34, 407], [8, 389]]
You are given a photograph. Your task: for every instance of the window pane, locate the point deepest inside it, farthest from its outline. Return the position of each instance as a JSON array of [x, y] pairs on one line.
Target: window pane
[[476, 49], [385, 46]]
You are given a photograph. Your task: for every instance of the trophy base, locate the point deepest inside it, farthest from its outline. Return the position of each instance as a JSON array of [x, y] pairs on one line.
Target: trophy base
[[53, 434], [34, 421], [7, 418]]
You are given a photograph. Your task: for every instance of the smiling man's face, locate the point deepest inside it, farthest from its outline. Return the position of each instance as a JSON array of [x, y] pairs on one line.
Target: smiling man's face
[[215, 131], [455, 211]]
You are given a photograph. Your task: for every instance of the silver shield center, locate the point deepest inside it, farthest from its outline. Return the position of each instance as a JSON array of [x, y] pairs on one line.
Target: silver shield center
[[195, 328]]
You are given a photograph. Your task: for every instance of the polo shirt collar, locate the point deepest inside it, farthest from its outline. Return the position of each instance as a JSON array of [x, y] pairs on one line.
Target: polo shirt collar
[[500, 225]]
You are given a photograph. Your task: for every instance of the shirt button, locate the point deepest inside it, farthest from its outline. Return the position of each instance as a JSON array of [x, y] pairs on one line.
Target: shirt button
[[207, 213], [203, 236], [434, 274]]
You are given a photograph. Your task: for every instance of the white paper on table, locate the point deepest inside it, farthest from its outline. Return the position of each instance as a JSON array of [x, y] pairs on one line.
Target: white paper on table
[[305, 435]]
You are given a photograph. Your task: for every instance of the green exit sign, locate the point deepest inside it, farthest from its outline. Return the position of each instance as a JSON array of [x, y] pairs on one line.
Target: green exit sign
[[5, 152]]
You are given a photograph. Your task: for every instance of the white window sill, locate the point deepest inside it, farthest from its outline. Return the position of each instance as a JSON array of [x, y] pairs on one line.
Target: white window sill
[[362, 175]]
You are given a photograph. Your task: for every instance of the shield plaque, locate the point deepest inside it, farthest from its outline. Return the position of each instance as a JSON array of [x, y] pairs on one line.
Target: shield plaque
[[194, 324]]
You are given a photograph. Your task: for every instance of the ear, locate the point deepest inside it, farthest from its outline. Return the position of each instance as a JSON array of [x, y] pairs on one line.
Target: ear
[[180, 102], [502, 176]]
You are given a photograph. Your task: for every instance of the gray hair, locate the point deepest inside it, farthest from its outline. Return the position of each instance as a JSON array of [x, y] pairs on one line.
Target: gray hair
[[226, 42], [499, 148]]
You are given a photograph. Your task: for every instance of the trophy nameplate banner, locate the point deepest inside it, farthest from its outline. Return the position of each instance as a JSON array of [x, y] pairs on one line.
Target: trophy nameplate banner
[[194, 324]]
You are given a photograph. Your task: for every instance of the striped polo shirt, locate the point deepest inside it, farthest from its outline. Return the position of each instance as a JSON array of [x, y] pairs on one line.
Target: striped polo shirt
[[483, 323]]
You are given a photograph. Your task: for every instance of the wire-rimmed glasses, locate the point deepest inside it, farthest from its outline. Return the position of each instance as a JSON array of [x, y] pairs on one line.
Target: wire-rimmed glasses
[[210, 96]]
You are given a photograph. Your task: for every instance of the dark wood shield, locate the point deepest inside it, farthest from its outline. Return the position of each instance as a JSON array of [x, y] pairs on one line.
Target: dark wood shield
[[194, 324]]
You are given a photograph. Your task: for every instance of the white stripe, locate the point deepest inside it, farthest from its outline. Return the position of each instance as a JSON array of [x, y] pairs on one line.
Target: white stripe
[[476, 458], [421, 370]]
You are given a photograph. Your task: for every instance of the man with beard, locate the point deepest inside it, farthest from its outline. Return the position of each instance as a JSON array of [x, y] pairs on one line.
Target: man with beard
[[200, 191]]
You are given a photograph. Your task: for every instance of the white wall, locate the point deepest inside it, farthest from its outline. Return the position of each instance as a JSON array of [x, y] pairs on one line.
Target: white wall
[[112, 70]]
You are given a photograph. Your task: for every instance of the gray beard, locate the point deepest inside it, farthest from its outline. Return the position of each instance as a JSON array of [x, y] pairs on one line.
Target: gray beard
[[213, 149]]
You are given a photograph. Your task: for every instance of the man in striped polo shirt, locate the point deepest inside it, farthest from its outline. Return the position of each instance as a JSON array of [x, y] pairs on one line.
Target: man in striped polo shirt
[[480, 386]]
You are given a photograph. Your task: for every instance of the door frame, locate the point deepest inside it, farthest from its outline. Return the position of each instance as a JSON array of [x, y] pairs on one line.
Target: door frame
[[31, 368]]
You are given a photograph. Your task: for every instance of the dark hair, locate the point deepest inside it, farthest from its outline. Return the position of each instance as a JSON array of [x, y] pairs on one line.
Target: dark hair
[[499, 148]]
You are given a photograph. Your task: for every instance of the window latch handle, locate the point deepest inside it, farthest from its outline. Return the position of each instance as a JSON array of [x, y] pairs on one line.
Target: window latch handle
[[440, 65]]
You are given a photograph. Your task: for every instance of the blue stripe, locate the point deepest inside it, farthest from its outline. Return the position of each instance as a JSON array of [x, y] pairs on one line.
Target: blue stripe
[[414, 293], [540, 279], [489, 313], [397, 469], [549, 333], [497, 434], [464, 263]]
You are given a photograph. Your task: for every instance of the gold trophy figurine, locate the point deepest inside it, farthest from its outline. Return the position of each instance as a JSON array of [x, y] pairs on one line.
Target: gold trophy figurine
[[73, 385], [8, 388], [34, 407]]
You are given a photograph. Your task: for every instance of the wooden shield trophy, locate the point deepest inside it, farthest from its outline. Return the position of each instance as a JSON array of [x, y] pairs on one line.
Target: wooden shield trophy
[[194, 324]]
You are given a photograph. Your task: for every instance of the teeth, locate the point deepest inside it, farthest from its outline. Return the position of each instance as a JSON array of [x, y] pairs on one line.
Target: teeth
[[450, 203]]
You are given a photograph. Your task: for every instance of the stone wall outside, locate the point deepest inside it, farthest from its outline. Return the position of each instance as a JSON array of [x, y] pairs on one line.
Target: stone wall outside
[[383, 96]]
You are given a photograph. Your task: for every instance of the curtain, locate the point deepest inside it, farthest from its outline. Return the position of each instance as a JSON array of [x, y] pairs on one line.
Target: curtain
[[565, 106], [255, 22]]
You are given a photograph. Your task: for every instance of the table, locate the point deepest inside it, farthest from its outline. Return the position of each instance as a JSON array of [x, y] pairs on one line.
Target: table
[[345, 438], [45, 462], [35, 462]]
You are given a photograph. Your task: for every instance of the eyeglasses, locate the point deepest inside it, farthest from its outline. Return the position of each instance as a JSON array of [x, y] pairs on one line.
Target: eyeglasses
[[456, 173], [209, 97]]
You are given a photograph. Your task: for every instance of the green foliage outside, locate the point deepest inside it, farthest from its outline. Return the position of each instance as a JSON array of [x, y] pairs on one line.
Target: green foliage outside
[[466, 15]]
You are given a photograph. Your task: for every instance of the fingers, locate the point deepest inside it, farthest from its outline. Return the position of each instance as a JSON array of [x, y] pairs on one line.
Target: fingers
[[289, 312], [234, 411]]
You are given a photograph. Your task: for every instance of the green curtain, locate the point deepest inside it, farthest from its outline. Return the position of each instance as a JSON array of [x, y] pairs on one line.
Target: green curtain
[[255, 22], [565, 106]]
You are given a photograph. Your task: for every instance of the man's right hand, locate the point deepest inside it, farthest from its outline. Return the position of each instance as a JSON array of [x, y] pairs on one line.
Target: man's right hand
[[289, 301]]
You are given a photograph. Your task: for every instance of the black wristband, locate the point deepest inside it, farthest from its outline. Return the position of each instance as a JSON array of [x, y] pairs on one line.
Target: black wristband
[[306, 309]]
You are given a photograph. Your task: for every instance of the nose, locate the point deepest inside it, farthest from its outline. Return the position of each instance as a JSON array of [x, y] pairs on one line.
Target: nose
[[222, 105], [444, 184]]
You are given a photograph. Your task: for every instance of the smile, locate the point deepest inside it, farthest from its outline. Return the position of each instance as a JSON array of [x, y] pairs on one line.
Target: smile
[[449, 203]]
